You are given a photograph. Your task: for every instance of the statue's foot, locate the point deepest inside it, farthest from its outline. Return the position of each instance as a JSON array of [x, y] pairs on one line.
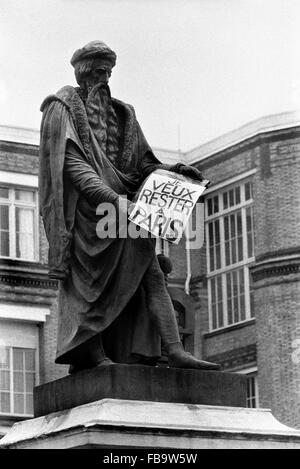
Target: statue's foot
[[184, 359], [106, 361], [179, 358], [75, 368]]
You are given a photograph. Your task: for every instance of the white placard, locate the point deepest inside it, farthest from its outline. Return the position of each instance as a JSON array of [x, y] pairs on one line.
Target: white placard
[[165, 203]]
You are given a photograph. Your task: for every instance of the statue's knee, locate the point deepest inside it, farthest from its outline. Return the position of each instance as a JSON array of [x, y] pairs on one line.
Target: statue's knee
[[157, 278]]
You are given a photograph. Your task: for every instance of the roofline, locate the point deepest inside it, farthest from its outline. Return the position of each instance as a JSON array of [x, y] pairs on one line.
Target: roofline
[[19, 135], [253, 128]]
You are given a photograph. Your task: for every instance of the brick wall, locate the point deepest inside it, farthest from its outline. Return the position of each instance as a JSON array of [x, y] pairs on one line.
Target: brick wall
[[277, 282], [277, 198], [270, 340], [278, 343], [232, 338], [24, 159], [48, 339], [18, 158]]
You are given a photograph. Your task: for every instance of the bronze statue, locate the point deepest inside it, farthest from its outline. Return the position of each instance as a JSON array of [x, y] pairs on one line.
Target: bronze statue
[[113, 301]]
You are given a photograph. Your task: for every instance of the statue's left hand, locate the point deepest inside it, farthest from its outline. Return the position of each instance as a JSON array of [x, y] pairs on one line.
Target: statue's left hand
[[189, 171]]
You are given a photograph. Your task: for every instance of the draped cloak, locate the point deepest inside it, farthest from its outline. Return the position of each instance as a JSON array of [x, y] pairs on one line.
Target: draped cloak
[[100, 278]]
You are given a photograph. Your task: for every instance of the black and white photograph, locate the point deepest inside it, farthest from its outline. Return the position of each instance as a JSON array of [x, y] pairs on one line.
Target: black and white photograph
[[149, 227]]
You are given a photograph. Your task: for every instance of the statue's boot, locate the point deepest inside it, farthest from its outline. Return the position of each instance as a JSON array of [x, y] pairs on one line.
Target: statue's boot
[[179, 358], [89, 355], [75, 368], [163, 315]]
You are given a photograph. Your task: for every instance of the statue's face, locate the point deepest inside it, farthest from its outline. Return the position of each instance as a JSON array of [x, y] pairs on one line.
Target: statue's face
[[100, 74]]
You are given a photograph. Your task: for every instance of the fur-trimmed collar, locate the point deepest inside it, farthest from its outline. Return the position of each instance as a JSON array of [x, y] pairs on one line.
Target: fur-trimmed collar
[[69, 97]]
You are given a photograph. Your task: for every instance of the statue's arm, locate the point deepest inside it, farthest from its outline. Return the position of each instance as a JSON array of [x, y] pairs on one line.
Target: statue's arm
[[85, 178]]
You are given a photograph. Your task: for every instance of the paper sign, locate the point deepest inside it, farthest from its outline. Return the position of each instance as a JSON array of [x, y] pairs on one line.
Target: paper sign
[[165, 203]]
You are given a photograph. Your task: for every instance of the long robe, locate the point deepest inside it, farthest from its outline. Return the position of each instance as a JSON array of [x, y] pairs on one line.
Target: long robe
[[101, 278]]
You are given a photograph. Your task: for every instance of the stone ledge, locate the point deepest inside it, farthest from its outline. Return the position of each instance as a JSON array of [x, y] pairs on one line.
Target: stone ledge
[[140, 383], [114, 423]]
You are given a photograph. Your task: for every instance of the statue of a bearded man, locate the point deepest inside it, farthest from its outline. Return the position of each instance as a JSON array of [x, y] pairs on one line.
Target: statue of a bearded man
[[113, 303]]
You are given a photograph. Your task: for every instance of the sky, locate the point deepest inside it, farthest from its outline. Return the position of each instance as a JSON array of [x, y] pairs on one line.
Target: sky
[[193, 69]]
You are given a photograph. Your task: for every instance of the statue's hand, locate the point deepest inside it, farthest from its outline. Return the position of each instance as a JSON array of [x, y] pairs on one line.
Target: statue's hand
[[189, 171]]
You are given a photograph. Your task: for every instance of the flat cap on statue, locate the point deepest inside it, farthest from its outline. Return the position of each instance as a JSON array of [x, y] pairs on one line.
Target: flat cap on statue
[[94, 49]]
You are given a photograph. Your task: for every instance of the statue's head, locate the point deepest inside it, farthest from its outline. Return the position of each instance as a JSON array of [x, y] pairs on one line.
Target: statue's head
[[93, 63]]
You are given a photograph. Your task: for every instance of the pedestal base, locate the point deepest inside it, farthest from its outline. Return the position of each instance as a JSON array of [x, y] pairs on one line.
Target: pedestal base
[[114, 423], [141, 383]]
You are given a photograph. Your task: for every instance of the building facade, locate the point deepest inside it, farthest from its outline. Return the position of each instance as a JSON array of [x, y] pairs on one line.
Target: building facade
[[27, 296], [237, 296], [245, 279]]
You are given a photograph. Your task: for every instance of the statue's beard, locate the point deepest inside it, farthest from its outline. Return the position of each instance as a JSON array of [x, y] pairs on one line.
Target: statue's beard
[[92, 87], [97, 104], [103, 120]]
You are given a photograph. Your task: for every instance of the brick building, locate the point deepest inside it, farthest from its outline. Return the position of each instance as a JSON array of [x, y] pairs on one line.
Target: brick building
[[243, 305]]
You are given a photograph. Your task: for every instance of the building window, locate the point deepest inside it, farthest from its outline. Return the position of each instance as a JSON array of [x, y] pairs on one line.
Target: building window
[[18, 223], [230, 250], [17, 379], [252, 390], [252, 398]]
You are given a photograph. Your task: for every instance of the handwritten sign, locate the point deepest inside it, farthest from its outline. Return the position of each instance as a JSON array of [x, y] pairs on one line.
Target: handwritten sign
[[165, 203]]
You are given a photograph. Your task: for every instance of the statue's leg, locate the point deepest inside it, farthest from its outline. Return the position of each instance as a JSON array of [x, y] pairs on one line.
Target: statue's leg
[[89, 355], [162, 313]]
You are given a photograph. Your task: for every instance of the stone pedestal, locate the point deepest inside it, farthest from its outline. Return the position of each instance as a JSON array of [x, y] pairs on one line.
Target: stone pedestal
[[121, 406], [140, 383], [115, 423]]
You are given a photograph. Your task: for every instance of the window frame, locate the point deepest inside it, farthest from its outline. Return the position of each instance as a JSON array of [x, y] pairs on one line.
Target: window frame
[[224, 269], [252, 373], [13, 204], [11, 381]]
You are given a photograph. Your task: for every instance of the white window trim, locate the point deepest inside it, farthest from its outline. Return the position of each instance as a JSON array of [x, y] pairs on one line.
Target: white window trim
[[245, 263], [250, 371], [15, 181], [19, 179], [36, 382], [19, 328], [229, 182], [24, 313]]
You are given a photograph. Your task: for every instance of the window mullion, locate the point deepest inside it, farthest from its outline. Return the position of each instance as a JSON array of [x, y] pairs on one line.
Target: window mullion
[[247, 293], [238, 286], [35, 231], [256, 390], [222, 250], [23, 374], [37, 367], [225, 318], [222, 242], [209, 305], [214, 244], [232, 296], [244, 234], [242, 192], [11, 380], [207, 248], [12, 224], [36, 241]]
